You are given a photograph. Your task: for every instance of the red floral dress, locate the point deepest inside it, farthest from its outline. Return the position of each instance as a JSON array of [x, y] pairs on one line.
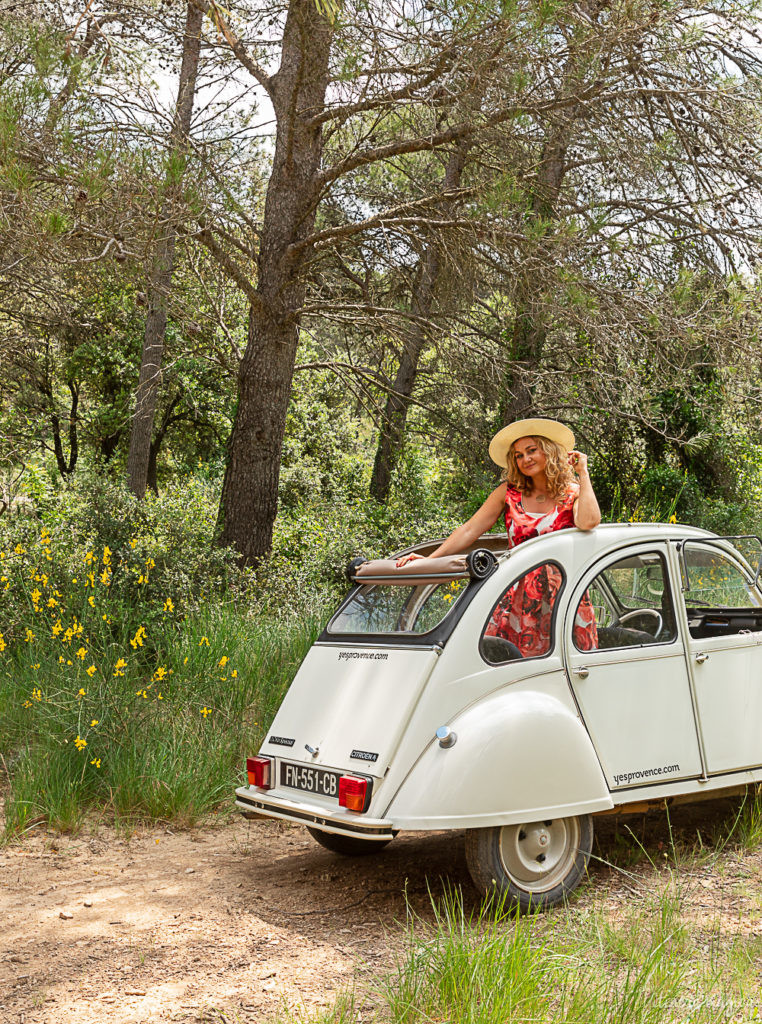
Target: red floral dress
[[524, 614]]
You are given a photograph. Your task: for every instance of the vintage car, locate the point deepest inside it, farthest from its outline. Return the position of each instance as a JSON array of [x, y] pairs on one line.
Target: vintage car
[[410, 713]]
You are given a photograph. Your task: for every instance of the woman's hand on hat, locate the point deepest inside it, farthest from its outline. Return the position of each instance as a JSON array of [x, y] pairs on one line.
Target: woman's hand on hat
[[404, 559], [578, 462]]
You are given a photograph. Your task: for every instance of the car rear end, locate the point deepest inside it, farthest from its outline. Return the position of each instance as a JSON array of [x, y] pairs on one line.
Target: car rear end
[[333, 739]]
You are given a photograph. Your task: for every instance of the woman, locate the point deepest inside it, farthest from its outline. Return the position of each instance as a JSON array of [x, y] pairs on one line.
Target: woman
[[538, 495]]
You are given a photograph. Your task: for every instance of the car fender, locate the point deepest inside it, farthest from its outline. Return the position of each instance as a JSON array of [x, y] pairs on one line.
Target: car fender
[[518, 757]]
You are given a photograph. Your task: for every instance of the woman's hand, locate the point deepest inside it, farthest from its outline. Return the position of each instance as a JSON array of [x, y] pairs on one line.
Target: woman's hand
[[587, 515], [404, 559], [578, 462]]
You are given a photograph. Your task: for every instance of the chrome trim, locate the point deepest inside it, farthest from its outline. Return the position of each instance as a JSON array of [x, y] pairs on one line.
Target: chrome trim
[[289, 812]]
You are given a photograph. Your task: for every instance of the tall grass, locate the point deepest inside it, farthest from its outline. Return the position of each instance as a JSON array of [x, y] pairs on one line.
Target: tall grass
[[575, 966], [117, 693]]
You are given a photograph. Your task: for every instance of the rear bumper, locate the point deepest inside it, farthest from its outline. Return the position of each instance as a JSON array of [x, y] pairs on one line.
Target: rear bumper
[[343, 823]]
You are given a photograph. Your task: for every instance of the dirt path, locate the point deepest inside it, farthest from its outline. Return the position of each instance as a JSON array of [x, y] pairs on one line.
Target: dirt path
[[239, 922], [242, 920]]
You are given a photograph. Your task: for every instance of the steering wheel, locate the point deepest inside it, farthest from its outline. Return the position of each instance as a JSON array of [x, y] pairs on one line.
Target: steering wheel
[[638, 613], [499, 650]]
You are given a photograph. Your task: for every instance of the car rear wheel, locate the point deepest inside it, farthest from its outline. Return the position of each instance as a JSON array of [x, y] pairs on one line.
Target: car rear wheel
[[534, 865], [347, 846]]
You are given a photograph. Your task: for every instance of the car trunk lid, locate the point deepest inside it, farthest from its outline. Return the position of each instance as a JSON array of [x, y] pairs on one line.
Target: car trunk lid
[[351, 705]]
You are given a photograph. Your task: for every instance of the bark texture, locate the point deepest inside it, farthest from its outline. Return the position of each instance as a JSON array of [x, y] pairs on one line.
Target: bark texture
[[392, 433], [297, 90], [528, 331], [160, 281]]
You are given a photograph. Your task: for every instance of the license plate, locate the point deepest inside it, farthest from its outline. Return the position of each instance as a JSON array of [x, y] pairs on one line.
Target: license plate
[[310, 780]]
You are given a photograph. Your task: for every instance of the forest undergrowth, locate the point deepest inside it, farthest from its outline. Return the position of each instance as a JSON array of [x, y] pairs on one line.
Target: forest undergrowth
[[139, 666]]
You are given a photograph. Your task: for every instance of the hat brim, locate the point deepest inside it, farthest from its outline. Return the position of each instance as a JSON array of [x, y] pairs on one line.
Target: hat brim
[[552, 429]]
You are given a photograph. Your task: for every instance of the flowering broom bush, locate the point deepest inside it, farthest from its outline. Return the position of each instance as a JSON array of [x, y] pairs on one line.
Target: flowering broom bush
[[132, 676]]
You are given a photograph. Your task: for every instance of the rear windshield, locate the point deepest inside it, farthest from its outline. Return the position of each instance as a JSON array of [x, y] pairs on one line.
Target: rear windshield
[[384, 608]]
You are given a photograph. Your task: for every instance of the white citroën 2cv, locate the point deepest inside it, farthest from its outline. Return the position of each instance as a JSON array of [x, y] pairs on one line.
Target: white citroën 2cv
[[407, 715]]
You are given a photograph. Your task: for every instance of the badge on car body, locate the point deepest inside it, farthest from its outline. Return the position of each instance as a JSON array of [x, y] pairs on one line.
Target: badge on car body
[[364, 755], [281, 741]]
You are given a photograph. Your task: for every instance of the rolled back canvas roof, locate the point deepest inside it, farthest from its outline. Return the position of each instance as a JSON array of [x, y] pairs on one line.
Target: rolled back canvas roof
[[420, 570]]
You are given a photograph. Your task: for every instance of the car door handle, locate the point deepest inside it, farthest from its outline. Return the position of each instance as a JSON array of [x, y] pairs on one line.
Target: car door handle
[[701, 658], [582, 672]]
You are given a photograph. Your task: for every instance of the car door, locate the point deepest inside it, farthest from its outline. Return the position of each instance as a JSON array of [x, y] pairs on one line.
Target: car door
[[724, 614], [629, 674]]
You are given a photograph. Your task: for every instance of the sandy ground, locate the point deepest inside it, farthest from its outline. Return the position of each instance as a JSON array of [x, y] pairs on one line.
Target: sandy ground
[[239, 922], [231, 923]]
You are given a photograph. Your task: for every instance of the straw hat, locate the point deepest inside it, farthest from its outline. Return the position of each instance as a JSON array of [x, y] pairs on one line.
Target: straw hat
[[503, 439]]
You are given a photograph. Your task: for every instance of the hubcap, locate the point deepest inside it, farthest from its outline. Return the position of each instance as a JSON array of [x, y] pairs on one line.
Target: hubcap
[[539, 855]]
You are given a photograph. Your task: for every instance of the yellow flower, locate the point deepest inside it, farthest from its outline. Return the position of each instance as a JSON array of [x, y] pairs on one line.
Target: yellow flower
[[223, 661], [29, 636], [90, 579], [137, 640], [150, 564], [58, 628], [141, 693], [27, 704], [37, 693], [81, 692], [79, 743], [81, 653], [36, 595], [52, 602], [133, 542], [234, 674], [119, 667], [94, 723], [89, 557], [673, 518], [106, 555], [160, 673], [96, 761], [185, 660], [91, 671], [159, 696], [91, 601], [61, 659], [3, 644], [19, 550], [168, 605], [205, 712], [204, 640], [106, 576], [142, 579]]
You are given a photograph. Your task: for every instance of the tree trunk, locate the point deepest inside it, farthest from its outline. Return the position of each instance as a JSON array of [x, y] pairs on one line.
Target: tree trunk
[[250, 489], [392, 431], [528, 332], [160, 280], [66, 467]]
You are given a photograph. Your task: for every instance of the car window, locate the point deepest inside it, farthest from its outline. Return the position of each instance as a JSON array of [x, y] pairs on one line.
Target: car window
[[714, 580], [521, 623], [631, 604], [386, 608]]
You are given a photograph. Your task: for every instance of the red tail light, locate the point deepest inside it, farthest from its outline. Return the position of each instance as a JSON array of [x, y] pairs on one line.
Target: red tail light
[[354, 793], [258, 770]]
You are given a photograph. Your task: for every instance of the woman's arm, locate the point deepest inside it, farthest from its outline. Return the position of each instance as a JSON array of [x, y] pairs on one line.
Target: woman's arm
[[587, 514], [463, 536]]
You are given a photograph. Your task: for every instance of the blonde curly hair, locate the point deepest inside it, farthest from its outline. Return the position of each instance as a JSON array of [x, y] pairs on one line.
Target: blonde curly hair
[[557, 469]]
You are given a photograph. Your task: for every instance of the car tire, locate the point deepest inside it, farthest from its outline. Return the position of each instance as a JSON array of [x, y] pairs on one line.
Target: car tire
[[347, 846], [534, 865]]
